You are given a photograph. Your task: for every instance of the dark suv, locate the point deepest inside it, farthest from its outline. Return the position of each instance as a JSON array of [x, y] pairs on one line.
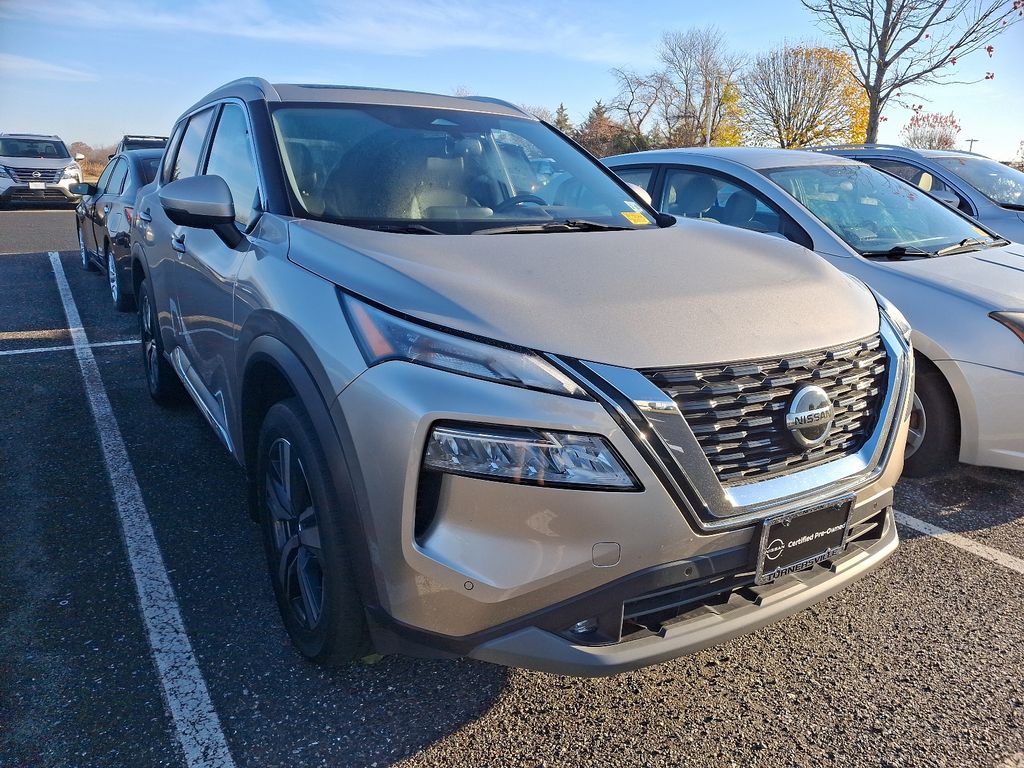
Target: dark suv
[[529, 420]]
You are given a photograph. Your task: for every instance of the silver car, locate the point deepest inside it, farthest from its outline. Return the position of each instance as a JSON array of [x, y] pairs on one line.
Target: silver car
[[492, 414], [991, 192], [960, 285], [36, 169]]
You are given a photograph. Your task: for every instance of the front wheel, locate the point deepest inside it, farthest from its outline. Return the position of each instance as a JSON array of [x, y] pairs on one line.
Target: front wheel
[[307, 554], [933, 441]]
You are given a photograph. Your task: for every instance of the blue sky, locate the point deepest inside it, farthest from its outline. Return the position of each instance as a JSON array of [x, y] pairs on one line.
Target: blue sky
[[115, 68]]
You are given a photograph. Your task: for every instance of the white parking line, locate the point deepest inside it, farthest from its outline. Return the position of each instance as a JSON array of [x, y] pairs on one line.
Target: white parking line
[[964, 543], [195, 720], [65, 347]]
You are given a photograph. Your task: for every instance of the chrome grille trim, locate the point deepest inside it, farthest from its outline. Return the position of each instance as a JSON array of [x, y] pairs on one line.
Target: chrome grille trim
[[24, 175], [736, 410]]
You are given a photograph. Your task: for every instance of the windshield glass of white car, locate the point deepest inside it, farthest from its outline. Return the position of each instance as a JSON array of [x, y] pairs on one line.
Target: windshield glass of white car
[[426, 171], [1000, 183], [878, 214], [34, 148]]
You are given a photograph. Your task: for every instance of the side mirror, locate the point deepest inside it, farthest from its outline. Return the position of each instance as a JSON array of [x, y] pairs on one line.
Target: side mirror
[[82, 189], [947, 197], [203, 202], [79, 157], [642, 193]]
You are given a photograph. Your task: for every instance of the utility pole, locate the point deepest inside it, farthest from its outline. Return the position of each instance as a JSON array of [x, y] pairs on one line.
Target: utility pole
[[971, 142]]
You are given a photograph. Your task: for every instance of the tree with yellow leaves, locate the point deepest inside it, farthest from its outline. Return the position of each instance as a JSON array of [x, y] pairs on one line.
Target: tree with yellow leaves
[[798, 96]]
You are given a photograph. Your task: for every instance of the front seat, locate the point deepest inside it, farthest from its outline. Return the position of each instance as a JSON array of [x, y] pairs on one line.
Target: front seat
[[740, 209], [695, 197]]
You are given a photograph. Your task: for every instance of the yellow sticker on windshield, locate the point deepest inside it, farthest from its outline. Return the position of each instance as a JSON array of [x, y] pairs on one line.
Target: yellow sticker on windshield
[[635, 218], [980, 231]]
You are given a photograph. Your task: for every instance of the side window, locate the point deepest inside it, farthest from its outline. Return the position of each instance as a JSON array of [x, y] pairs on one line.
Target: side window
[[919, 177], [693, 194], [231, 159], [639, 176], [101, 184], [186, 161], [115, 184], [169, 153]]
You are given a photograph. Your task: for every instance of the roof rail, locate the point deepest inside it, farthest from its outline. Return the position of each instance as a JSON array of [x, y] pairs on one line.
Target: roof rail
[[858, 146], [499, 102]]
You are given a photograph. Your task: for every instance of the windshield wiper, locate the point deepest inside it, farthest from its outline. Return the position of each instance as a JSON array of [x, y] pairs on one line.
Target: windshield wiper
[[897, 252], [966, 245], [408, 229], [564, 225], [1012, 206]]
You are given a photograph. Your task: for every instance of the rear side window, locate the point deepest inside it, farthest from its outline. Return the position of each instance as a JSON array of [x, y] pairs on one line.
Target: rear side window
[[115, 184], [639, 176], [186, 160], [148, 168], [231, 159]]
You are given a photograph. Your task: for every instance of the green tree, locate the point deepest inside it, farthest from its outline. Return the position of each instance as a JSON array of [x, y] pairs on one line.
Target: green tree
[[562, 121]]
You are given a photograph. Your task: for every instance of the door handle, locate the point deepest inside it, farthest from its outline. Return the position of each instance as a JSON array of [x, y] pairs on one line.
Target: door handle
[[178, 243], [144, 216]]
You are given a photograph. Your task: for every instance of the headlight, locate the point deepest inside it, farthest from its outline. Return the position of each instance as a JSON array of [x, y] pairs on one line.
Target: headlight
[[534, 457], [4, 174], [899, 322], [72, 172], [383, 336], [1012, 320]]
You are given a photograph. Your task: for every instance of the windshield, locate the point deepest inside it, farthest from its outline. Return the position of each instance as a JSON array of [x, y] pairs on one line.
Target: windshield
[[50, 149], [875, 212], [428, 170], [1000, 183]]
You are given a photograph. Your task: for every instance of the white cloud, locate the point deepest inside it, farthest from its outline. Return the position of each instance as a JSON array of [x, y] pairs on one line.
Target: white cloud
[[36, 69], [395, 27]]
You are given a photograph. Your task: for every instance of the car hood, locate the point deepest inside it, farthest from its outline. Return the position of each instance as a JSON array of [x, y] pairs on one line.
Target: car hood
[[993, 277], [36, 162], [693, 293]]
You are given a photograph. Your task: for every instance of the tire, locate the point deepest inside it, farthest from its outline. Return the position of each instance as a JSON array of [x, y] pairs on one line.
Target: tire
[[933, 444], [163, 383], [311, 574], [122, 301], [84, 260]]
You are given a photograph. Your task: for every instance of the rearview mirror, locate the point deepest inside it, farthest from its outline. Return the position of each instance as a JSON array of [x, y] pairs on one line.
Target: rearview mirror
[[203, 202], [82, 189]]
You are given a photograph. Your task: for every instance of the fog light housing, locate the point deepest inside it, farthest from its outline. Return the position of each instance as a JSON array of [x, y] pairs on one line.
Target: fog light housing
[[528, 456], [585, 627]]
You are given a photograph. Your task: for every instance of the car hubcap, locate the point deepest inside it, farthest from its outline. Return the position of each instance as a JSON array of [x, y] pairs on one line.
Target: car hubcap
[[149, 350], [918, 427], [296, 534], [112, 276]]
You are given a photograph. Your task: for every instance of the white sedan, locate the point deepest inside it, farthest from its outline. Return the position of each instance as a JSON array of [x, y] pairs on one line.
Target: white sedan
[[960, 285]]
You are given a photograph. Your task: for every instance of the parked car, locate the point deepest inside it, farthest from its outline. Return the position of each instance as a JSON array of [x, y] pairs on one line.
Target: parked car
[[478, 421], [130, 141], [960, 285], [104, 218], [37, 168], [991, 192]]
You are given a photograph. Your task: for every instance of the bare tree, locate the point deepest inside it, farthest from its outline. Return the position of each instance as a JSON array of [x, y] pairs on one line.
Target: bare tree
[[541, 113], [637, 102], [795, 96], [900, 43], [701, 68]]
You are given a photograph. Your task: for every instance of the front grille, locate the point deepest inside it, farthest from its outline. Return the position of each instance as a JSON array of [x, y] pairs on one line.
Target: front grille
[[737, 410], [25, 175], [35, 195]]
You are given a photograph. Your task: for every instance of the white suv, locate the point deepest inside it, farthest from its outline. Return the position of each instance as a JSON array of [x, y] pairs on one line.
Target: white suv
[[35, 168]]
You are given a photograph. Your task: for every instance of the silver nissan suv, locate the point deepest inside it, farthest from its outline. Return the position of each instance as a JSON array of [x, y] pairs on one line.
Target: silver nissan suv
[[35, 168], [517, 417]]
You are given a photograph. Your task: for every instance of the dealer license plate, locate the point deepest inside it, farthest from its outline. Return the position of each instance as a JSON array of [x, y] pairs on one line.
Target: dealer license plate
[[796, 540]]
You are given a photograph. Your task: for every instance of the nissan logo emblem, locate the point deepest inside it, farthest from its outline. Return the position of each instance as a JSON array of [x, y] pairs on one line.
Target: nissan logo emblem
[[36, 175], [809, 417]]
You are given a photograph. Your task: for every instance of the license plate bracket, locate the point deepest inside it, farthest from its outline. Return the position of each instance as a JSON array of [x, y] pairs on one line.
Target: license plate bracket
[[795, 540]]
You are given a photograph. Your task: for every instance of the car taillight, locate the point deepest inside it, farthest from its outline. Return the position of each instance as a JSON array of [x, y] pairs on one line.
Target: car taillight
[[129, 213]]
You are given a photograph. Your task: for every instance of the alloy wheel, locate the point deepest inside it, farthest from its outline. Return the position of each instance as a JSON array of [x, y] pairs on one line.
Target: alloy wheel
[[149, 348], [918, 427], [296, 534]]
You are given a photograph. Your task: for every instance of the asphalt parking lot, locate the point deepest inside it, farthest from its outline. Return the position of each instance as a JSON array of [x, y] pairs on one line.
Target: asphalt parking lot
[[921, 664]]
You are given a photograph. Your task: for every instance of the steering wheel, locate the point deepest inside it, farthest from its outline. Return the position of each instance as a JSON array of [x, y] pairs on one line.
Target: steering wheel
[[517, 200]]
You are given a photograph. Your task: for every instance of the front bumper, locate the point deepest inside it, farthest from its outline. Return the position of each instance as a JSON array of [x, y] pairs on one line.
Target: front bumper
[[17, 192], [503, 571]]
